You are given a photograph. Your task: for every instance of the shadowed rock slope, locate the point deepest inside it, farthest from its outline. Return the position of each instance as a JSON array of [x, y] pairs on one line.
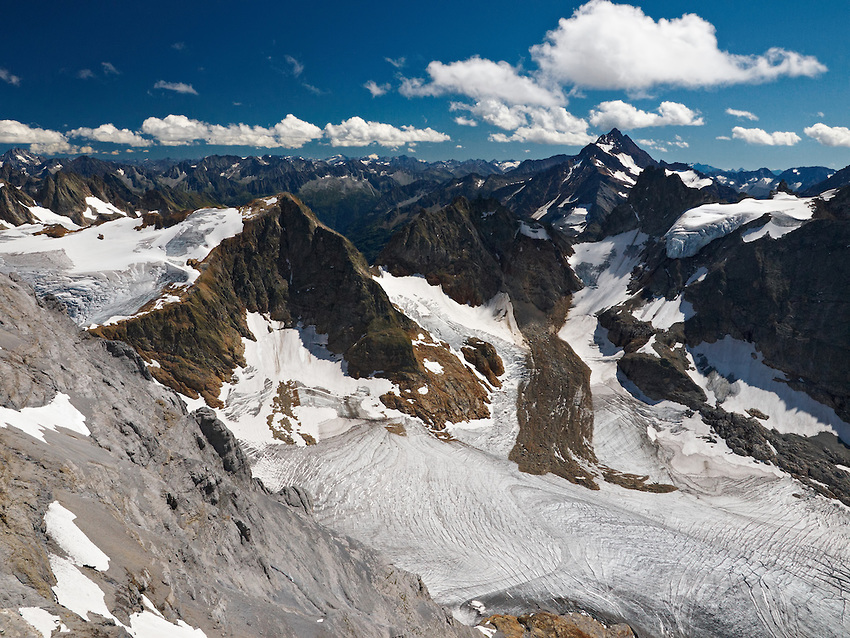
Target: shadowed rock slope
[[169, 499], [478, 249], [655, 202]]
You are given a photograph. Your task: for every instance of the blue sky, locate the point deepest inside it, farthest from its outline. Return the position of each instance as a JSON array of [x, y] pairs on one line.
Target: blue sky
[[726, 83]]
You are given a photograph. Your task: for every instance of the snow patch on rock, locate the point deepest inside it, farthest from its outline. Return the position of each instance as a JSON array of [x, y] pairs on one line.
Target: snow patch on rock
[[60, 525], [59, 413], [753, 384], [291, 381], [42, 620], [663, 313], [690, 178]]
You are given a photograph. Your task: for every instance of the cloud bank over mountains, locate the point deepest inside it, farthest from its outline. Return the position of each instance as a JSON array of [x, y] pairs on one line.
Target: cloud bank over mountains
[[617, 60]]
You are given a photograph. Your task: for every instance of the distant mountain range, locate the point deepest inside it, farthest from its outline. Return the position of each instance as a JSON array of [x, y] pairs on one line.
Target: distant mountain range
[[368, 198]]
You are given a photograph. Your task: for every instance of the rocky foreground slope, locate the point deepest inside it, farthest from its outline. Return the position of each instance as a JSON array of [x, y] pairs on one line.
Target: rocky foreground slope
[[161, 529]]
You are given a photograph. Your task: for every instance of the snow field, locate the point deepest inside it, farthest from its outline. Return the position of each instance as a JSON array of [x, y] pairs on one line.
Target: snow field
[[733, 549], [453, 323], [700, 226], [116, 267], [690, 178], [663, 313], [330, 400], [756, 385]]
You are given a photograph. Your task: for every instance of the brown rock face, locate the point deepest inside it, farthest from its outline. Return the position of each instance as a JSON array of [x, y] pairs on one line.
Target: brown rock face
[[474, 250], [555, 419], [455, 394], [547, 625], [486, 360]]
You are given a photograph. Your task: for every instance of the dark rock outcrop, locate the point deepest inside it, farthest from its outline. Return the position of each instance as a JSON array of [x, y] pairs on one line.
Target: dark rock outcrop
[[14, 205], [124, 351], [788, 297], [660, 378], [555, 419], [223, 442], [297, 497], [655, 202], [475, 250], [486, 360]]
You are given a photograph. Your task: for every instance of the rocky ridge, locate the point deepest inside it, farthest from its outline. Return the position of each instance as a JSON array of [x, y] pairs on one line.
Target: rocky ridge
[[289, 266]]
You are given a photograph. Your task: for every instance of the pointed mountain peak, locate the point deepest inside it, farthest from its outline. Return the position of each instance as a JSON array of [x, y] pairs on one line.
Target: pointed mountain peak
[[612, 137], [617, 144]]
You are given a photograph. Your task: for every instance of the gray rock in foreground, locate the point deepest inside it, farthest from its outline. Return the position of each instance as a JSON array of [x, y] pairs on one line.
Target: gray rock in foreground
[[167, 497]]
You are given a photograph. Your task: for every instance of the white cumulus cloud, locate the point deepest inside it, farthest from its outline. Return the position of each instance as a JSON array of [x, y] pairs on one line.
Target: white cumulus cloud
[[763, 138], [617, 46], [496, 113], [376, 89], [7, 77], [480, 78], [538, 124], [110, 133], [663, 146], [829, 135], [356, 131], [177, 87], [746, 115], [619, 114], [179, 130], [40, 140], [465, 121]]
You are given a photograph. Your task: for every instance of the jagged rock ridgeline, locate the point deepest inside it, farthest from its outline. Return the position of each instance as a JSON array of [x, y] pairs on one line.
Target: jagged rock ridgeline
[[168, 499], [663, 406], [654, 203], [289, 266]]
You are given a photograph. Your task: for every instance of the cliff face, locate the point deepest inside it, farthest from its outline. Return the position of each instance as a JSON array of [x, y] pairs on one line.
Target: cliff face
[[786, 296], [477, 249], [654, 203], [14, 205], [789, 297], [169, 499]]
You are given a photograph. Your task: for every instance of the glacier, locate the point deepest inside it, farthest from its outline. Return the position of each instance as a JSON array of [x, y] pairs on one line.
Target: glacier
[[698, 227]]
